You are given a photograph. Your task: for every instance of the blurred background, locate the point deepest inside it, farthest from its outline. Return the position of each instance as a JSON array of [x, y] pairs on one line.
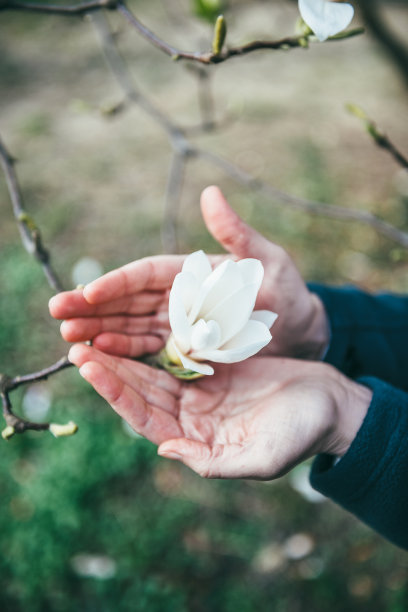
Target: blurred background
[[98, 521]]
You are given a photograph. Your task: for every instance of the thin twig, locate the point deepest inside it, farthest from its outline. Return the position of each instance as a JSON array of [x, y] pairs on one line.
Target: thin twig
[[309, 206], [216, 58], [120, 71], [205, 96], [16, 424], [29, 232], [377, 134], [43, 374], [172, 200], [61, 9]]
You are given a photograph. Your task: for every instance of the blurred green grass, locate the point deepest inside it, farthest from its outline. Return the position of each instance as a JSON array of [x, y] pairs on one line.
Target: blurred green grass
[[98, 521]]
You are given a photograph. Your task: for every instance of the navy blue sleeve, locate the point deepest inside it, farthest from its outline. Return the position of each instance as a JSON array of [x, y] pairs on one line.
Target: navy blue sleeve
[[369, 333], [371, 480]]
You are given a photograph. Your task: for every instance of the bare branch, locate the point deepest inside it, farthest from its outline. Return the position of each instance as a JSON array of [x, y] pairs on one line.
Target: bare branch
[[172, 200], [378, 135], [29, 232], [70, 9], [43, 374], [16, 424], [120, 71], [216, 58], [397, 50], [309, 206]]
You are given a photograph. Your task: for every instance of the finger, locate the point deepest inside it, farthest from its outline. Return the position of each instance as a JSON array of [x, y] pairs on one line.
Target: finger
[[128, 346], [230, 230], [69, 304], [86, 328], [81, 353], [152, 273], [214, 461], [149, 421], [154, 389]]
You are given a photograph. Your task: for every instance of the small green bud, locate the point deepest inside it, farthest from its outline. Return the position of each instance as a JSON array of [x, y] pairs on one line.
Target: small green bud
[[357, 111], [63, 430], [220, 32], [301, 28], [25, 218], [8, 432]]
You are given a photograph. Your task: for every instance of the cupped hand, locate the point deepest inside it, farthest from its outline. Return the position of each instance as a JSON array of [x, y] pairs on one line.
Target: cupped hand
[[255, 419], [125, 311]]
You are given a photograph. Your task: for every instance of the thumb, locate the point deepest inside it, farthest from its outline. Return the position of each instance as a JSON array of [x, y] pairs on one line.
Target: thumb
[[217, 461], [230, 230]]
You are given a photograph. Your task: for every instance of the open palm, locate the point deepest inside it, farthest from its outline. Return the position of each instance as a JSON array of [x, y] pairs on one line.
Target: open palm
[[255, 419]]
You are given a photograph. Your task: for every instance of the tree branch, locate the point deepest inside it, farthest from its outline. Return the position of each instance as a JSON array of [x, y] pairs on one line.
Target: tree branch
[[43, 374], [177, 54], [29, 232], [315, 208], [378, 135], [172, 200], [216, 58], [68, 9], [16, 424], [377, 25]]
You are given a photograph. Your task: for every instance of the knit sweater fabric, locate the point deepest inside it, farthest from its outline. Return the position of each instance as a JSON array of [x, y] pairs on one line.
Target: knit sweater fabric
[[369, 343]]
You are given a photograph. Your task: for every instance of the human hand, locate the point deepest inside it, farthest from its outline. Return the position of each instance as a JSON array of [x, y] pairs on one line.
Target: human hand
[[254, 419], [125, 311]]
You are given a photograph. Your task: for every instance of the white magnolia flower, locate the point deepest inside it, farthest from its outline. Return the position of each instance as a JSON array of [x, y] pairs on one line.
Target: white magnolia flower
[[326, 18], [211, 313]]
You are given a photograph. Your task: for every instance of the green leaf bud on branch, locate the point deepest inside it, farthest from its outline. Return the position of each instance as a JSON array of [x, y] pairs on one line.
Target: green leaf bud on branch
[[28, 221], [220, 32], [302, 29]]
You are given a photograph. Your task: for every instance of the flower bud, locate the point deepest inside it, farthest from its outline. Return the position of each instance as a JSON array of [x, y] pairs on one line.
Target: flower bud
[[8, 432], [220, 32], [63, 430]]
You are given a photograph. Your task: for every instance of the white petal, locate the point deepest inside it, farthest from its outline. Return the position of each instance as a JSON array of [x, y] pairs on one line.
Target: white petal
[[195, 366], [224, 280], [252, 271], [198, 264], [326, 18], [267, 317], [205, 335], [177, 313], [234, 311], [252, 338]]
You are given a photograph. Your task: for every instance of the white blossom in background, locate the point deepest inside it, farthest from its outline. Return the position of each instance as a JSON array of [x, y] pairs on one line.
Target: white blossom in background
[[299, 481], [326, 18], [100, 567], [212, 315], [37, 402], [86, 270]]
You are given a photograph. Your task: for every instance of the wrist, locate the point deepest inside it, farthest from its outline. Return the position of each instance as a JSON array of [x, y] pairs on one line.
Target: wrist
[[317, 334], [352, 401]]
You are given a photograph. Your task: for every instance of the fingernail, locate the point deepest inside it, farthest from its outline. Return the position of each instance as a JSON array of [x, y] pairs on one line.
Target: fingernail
[[171, 455], [81, 370]]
